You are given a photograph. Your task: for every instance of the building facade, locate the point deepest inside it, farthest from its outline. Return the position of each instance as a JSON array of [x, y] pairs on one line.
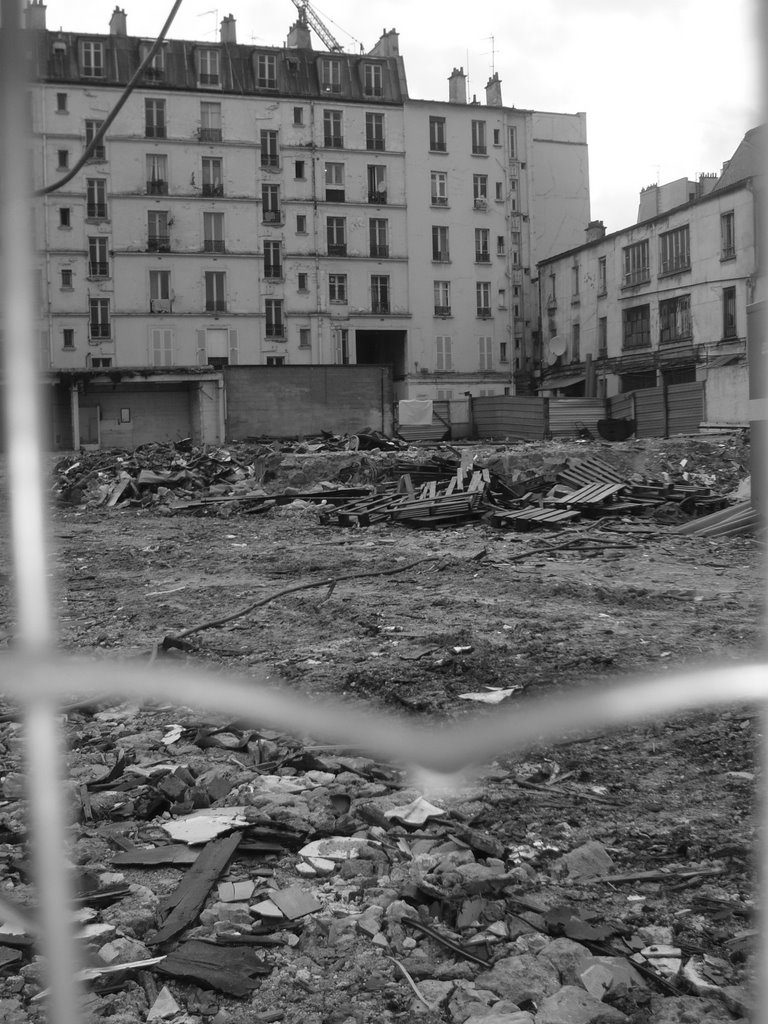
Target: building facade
[[663, 301], [282, 206]]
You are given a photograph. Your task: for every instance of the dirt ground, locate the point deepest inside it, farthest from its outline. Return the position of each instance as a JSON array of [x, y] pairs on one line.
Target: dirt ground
[[495, 608]]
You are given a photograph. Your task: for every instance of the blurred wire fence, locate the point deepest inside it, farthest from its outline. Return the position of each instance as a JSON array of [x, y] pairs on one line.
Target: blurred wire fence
[[42, 680]]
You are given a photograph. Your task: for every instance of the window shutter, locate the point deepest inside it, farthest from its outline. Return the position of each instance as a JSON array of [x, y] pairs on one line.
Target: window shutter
[[233, 347], [201, 356]]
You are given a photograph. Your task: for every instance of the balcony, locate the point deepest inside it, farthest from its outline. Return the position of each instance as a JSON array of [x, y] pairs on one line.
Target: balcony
[[483, 256], [380, 305], [273, 271], [380, 252], [214, 245], [100, 331], [160, 305], [208, 79], [377, 198], [437, 146], [480, 204], [98, 269], [439, 200], [159, 243], [272, 217], [209, 134], [270, 160], [375, 145], [99, 153], [442, 310], [441, 256], [274, 331], [153, 74], [337, 248], [154, 131], [484, 312], [157, 188], [215, 306], [334, 142], [96, 211], [210, 189]]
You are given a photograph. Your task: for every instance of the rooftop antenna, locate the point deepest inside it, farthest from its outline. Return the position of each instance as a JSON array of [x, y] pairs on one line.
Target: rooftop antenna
[[494, 51], [216, 20]]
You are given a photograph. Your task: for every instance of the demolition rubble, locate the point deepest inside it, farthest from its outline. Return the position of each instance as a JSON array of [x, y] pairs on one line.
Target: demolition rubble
[[227, 873]]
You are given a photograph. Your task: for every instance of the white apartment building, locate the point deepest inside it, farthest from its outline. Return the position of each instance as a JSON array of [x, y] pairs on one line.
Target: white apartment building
[[663, 301], [282, 206]]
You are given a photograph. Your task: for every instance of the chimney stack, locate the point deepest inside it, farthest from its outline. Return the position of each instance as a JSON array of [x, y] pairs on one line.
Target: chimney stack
[[298, 35], [457, 86], [34, 15], [493, 91], [118, 23], [228, 29], [595, 230], [388, 44]]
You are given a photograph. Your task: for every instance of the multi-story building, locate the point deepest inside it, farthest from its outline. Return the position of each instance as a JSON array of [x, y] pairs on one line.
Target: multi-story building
[[278, 205], [663, 301]]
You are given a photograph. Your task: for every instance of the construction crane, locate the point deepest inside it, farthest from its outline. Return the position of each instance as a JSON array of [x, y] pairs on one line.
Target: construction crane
[[321, 30]]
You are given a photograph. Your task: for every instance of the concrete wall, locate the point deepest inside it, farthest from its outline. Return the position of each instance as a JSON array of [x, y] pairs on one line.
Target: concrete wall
[[156, 413], [297, 401], [725, 388]]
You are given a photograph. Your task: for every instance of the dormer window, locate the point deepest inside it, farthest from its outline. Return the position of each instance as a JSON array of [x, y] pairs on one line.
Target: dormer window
[[372, 80], [155, 70], [330, 75], [266, 71], [208, 68], [92, 59]]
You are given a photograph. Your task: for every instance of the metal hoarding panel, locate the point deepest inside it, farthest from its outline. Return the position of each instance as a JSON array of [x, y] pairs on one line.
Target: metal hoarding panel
[[685, 407], [621, 407], [569, 416], [650, 413]]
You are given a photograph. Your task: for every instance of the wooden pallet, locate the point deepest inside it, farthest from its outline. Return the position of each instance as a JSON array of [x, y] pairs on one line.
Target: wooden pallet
[[533, 518], [592, 494]]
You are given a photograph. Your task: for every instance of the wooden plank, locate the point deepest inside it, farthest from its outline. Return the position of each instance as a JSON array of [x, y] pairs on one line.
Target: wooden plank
[[181, 907], [174, 853]]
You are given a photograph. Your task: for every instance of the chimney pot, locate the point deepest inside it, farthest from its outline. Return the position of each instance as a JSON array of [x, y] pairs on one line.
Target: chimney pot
[[457, 86], [118, 23], [228, 29]]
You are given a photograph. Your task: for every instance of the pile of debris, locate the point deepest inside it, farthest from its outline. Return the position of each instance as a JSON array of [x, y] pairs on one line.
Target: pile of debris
[[223, 867]]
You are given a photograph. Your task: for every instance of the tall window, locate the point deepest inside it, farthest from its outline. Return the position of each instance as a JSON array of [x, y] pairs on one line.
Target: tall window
[[215, 294], [438, 185], [575, 342], [486, 353], [443, 355], [337, 287], [675, 319], [98, 256], [514, 247], [210, 122], [482, 245], [379, 293], [213, 232], [675, 250], [161, 346], [213, 184], [512, 139], [91, 131], [334, 183], [272, 259], [437, 141], [330, 75], [636, 327], [379, 237], [729, 313], [440, 251], [336, 232], [602, 337], [273, 318], [575, 275], [154, 118], [266, 71], [377, 184], [65, 217], [483, 298], [157, 174], [636, 266], [270, 204], [155, 70], [442, 290], [208, 68], [68, 337], [98, 320], [158, 237], [160, 291], [92, 60], [479, 146], [374, 131], [372, 80], [270, 156], [96, 198], [480, 190], [727, 236], [333, 132], [602, 275]]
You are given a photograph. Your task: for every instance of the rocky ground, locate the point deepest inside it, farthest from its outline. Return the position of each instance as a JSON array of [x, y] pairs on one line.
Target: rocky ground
[[609, 877]]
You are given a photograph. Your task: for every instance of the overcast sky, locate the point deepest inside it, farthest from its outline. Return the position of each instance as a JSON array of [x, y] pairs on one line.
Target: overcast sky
[[669, 86]]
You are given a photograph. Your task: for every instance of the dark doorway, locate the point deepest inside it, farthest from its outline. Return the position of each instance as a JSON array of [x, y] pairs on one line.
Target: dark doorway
[[381, 347]]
